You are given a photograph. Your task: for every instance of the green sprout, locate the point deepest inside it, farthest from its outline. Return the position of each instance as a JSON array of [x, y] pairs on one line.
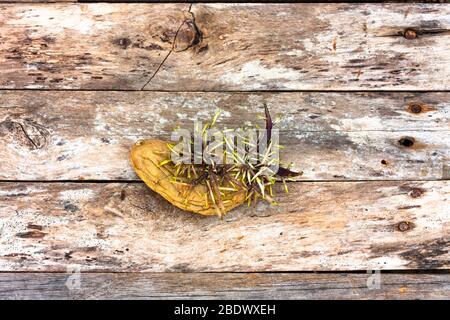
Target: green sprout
[[253, 174]]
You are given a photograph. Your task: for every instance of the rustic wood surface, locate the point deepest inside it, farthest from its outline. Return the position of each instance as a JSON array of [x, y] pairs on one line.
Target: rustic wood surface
[[225, 46], [316, 226], [222, 286], [376, 157], [329, 136]]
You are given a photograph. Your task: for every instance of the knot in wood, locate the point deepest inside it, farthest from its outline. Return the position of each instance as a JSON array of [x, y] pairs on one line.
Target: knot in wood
[[122, 42], [406, 141], [188, 36], [404, 226], [26, 132]]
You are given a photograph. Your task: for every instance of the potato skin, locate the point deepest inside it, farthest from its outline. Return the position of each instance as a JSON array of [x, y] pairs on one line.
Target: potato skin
[[145, 157]]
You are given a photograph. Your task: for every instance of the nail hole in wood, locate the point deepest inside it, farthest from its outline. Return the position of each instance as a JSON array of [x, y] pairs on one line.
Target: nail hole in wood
[[416, 192], [404, 226], [410, 34], [384, 162], [406, 141]]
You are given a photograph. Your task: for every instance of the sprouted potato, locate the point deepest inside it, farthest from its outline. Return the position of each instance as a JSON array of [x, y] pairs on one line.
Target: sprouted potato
[[210, 188]]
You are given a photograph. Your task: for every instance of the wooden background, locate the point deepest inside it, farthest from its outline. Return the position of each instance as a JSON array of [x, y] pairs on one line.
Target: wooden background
[[362, 96]]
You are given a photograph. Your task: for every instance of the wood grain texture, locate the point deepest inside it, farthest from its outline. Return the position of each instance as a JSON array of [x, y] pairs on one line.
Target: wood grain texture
[[330, 136], [85, 46], [317, 226], [225, 46], [47, 1], [41, 1], [222, 286]]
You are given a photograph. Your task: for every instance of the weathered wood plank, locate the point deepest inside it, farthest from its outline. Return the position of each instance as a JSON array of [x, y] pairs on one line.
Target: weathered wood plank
[[225, 46], [311, 46], [317, 226], [330, 136], [85, 45], [223, 286]]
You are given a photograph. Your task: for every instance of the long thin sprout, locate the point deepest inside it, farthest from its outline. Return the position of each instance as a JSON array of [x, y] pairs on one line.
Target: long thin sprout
[[249, 173]]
